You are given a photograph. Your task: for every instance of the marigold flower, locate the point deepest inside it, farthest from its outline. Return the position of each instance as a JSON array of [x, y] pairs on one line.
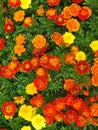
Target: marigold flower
[[19, 15], [68, 38], [77, 1], [74, 9], [19, 99], [59, 104], [80, 55], [39, 41], [59, 116], [40, 82], [27, 66], [8, 28], [28, 21], [19, 49], [69, 58], [86, 112], [49, 120], [68, 100], [94, 80], [26, 128], [9, 108], [74, 49], [27, 112], [8, 72], [2, 43], [37, 100], [49, 110], [82, 67], [14, 3], [57, 38], [69, 84], [94, 69], [40, 11], [84, 13], [80, 121], [94, 45], [53, 2], [51, 13], [35, 62], [20, 39], [70, 116], [66, 12], [72, 25], [38, 122], [31, 89], [25, 4], [42, 72]]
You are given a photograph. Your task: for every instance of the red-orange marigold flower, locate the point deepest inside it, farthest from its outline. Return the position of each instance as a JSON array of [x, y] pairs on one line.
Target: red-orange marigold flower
[[53, 2], [51, 13], [35, 62], [49, 120], [57, 38], [86, 112], [8, 72], [68, 100], [82, 67], [8, 28], [94, 109], [42, 72], [59, 104], [69, 58], [84, 13], [27, 66], [70, 116], [69, 84], [37, 101], [77, 1], [40, 82], [9, 108], [59, 116], [49, 110], [66, 12], [14, 3], [2, 43], [72, 25], [28, 21], [80, 121]]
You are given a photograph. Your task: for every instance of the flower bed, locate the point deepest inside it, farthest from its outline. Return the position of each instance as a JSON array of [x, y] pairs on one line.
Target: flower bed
[[48, 65]]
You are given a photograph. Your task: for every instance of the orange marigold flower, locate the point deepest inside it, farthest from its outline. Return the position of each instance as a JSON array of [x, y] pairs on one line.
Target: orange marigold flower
[[37, 101], [27, 66], [49, 110], [80, 121], [51, 13], [82, 67], [19, 49], [60, 20], [14, 3], [94, 69], [8, 27], [40, 82], [42, 72], [86, 92], [69, 84], [68, 100], [20, 39], [59, 116], [19, 15], [59, 104], [72, 25], [94, 109], [53, 2], [86, 112], [54, 63], [66, 12], [78, 104], [40, 11], [9, 108], [69, 58], [35, 62], [70, 116], [57, 38], [28, 21], [84, 13], [74, 9], [39, 41], [74, 49], [8, 72], [94, 121]]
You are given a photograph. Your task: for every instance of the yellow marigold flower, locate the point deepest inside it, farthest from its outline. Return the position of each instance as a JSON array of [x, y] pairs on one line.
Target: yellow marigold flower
[[38, 122], [27, 112], [39, 41], [26, 128], [20, 39], [94, 45], [80, 56], [40, 11], [19, 99], [25, 4], [19, 49], [68, 38], [19, 15], [31, 89]]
